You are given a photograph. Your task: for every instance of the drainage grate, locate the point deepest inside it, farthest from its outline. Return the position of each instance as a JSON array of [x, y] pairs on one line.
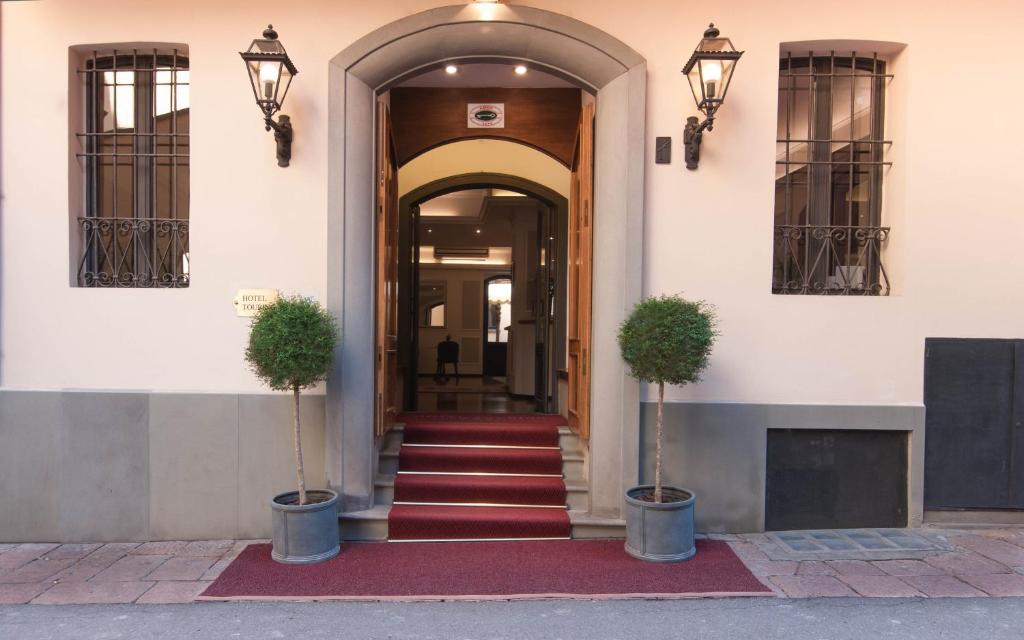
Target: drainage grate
[[851, 544]]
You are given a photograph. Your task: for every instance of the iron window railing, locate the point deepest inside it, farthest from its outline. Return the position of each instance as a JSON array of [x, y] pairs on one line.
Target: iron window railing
[[135, 154], [830, 160]]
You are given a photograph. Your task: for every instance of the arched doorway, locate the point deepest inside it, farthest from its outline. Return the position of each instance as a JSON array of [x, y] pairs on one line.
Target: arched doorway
[[562, 46], [546, 361]]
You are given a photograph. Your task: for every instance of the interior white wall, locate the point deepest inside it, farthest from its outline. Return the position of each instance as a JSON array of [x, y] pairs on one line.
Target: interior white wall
[[484, 156], [951, 197], [458, 310]]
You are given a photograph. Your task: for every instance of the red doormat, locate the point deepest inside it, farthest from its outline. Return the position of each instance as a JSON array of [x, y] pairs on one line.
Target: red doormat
[[580, 569]]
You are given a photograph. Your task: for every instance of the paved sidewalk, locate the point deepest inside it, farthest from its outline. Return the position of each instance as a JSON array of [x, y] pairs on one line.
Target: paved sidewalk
[[151, 572], [982, 563]]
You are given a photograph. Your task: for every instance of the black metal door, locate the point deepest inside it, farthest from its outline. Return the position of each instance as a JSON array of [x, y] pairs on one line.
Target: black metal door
[[974, 444]]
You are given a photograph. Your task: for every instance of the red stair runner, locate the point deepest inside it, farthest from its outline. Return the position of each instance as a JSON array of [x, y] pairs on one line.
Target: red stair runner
[[522, 435], [418, 522], [543, 419], [480, 489], [480, 460], [448, 492]]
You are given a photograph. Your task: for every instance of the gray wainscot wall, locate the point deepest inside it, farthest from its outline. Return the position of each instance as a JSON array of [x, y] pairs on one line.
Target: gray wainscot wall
[[718, 450], [80, 466]]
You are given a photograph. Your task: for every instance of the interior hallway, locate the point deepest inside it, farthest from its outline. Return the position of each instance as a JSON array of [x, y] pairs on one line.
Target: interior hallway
[[470, 394]]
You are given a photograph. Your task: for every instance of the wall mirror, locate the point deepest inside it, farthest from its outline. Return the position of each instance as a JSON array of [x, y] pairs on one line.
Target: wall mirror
[[432, 303]]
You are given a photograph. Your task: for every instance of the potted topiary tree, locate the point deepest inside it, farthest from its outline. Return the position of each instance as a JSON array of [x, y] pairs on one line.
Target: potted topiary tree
[[291, 345], [665, 340]]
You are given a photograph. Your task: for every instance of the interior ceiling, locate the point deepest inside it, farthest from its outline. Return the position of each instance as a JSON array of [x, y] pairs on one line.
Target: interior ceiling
[[470, 203], [487, 75], [473, 218]]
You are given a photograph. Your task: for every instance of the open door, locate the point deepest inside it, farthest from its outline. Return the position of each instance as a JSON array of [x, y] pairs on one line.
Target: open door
[[543, 304], [581, 248], [387, 384]]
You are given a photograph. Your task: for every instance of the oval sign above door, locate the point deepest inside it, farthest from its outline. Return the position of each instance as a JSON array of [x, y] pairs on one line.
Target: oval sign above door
[[486, 116]]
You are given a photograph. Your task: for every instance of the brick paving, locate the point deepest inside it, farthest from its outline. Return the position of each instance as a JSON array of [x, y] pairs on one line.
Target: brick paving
[[983, 562], [114, 573]]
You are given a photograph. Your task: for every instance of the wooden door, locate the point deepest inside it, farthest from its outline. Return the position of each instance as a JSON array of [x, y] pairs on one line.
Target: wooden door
[[387, 384], [581, 248]]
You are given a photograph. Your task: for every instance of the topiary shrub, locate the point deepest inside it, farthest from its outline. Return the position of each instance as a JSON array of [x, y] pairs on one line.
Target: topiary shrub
[[667, 339], [291, 346]]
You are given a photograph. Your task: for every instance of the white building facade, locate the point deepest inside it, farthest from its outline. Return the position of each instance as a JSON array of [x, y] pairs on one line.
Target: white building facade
[[128, 413]]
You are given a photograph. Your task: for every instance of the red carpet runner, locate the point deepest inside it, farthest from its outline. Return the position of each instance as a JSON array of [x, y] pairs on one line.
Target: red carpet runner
[[482, 570], [479, 476]]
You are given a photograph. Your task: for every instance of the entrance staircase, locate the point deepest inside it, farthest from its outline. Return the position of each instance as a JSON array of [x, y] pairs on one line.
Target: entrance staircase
[[479, 477]]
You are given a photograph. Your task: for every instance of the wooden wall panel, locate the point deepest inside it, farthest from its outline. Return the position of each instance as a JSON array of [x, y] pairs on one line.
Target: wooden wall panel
[[472, 304], [427, 117], [470, 349]]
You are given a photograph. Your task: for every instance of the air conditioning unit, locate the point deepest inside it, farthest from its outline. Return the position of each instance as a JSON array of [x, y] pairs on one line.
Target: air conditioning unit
[[462, 253]]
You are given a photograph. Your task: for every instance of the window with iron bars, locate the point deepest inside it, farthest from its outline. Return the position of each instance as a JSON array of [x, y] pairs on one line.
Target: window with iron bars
[[830, 160], [134, 150]]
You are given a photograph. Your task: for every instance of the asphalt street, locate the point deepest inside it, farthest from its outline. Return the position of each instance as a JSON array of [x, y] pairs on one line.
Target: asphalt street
[[732, 619]]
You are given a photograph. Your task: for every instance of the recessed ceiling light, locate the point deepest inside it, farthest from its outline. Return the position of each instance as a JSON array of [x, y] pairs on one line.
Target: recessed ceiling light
[[430, 231], [451, 69], [520, 69], [478, 230]]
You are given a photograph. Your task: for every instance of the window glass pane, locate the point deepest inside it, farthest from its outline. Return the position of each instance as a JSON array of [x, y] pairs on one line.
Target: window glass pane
[[118, 106], [862, 106], [171, 91], [437, 315]]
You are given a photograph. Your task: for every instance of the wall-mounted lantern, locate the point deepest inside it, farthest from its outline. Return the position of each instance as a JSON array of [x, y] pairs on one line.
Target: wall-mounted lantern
[[271, 72], [709, 71]]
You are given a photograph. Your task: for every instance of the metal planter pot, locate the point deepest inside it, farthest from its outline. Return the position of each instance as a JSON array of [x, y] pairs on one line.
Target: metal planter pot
[[660, 532], [305, 534]]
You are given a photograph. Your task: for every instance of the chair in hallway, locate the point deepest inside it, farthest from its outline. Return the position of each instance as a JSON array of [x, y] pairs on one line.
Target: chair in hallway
[[447, 353]]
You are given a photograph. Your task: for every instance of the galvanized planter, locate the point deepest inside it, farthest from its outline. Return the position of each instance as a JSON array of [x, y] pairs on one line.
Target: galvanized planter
[[305, 534], [660, 532]]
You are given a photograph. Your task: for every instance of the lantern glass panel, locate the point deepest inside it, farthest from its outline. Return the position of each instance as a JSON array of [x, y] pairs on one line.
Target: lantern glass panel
[[715, 44], [268, 79], [282, 84], [709, 79]]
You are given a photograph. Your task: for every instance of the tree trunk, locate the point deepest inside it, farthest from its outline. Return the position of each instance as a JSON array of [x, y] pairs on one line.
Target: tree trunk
[[300, 474], [657, 455]]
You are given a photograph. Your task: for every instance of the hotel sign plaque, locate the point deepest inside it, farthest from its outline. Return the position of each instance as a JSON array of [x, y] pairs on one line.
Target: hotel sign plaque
[[489, 115], [248, 302]]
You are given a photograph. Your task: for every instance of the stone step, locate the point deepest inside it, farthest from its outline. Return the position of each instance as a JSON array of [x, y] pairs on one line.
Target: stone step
[[569, 441], [371, 524], [586, 526]]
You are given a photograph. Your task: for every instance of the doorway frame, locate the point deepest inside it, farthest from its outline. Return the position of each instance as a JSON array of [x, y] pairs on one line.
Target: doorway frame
[[478, 32]]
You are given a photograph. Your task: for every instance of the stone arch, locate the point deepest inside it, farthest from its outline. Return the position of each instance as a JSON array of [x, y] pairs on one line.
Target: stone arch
[[481, 32]]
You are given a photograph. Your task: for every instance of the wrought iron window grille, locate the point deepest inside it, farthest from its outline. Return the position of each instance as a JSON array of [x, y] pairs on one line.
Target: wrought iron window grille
[[831, 155], [134, 145]]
